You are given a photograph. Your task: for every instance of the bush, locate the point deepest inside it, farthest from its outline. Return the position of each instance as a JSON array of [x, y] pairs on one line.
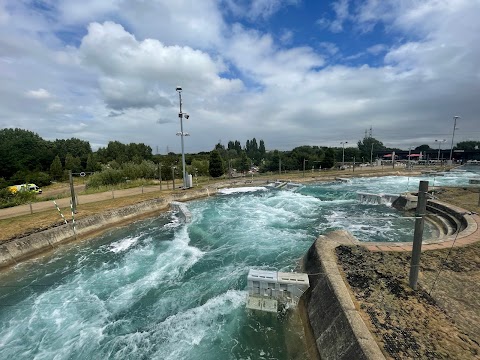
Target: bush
[[113, 176], [7, 199], [105, 178]]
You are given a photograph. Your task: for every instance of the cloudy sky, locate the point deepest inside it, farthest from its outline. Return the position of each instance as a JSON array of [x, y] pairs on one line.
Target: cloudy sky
[[290, 72]]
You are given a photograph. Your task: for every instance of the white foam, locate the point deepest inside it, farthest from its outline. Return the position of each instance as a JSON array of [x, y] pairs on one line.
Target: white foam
[[228, 191], [123, 244]]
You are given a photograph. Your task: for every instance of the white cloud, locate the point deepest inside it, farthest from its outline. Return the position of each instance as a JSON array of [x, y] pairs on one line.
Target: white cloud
[[38, 94], [258, 9], [239, 81], [142, 73], [376, 49], [340, 8]]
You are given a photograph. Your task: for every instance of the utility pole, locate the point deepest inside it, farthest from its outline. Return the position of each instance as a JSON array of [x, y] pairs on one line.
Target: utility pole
[[304, 167], [280, 166], [418, 234]]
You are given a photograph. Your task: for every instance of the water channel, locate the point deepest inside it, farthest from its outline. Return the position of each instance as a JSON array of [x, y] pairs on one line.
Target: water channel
[[160, 289]]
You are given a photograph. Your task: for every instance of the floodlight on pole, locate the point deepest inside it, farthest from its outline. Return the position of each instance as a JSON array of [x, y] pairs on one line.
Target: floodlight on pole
[[182, 134], [453, 135], [343, 152]]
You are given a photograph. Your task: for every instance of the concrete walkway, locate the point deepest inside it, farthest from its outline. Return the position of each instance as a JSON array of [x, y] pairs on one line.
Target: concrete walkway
[[82, 199], [471, 236]]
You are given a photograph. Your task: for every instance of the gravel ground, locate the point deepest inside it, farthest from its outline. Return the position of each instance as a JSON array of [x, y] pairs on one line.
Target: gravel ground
[[441, 320]]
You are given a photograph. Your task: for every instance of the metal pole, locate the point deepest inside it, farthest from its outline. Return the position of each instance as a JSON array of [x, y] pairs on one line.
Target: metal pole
[[409, 157], [371, 155], [180, 115], [353, 170], [173, 177], [453, 135], [418, 234], [280, 166], [303, 167], [160, 175], [438, 156], [72, 192]]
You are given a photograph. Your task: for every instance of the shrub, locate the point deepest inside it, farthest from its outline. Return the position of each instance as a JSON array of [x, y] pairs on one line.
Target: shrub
[[105, 178], [7, 199]]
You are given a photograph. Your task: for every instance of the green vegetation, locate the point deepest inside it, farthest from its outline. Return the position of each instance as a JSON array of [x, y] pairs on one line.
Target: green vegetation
[[27, 158]]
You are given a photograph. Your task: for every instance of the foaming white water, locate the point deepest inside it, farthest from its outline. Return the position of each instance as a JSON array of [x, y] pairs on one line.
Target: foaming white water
[[191, 327], [123, 244], [238, 190], [174, 223]]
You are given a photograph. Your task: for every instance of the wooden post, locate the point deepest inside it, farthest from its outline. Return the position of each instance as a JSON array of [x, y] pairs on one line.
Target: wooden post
[[72, 192], [31, 209], [418, 234]]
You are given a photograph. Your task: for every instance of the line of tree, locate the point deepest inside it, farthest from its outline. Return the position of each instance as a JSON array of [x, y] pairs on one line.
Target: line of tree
[[25, 157]]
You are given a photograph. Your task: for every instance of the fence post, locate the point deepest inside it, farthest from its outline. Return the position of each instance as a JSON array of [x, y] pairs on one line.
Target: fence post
[[31, 209], [418, 234], [72, 191]]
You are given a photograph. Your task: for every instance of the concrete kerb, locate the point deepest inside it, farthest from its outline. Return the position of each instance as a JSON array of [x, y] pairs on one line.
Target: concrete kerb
[[16, 250], [338, 328], [472, 229]]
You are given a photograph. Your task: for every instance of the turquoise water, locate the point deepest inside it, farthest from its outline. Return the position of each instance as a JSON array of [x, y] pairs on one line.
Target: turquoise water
[[160, 289]]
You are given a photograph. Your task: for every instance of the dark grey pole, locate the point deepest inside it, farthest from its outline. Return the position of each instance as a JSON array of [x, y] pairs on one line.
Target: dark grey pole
[[72, 192], [173, 177], [418, 234], [160, 175]]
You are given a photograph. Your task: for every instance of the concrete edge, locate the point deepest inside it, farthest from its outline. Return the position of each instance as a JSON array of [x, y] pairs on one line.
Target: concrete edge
[[328, 259], [17, 250], [331, 307]]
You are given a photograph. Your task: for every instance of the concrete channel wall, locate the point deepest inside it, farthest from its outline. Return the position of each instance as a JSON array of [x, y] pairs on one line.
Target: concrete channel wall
[[16, 250], [338, 329]]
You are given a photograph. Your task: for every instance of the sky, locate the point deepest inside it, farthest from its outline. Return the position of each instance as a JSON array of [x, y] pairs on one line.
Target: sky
[[290, 72]]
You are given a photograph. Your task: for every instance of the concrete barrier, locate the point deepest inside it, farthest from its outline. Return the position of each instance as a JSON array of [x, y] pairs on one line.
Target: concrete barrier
[[16, 250], [338, 329]]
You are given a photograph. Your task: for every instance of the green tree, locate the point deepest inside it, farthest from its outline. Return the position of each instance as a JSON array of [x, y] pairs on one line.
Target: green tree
[[56, 170], [244, 164], [369, 146], [72, 163], [423, 147], [215, 166], [468, 145], [23, 150], [329, 159], [92, 163]]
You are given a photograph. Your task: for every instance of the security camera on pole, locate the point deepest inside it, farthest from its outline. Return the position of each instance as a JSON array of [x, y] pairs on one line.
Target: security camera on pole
[[182, 134]]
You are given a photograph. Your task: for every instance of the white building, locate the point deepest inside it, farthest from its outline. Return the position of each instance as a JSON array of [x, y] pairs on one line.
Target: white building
[[267, 289]]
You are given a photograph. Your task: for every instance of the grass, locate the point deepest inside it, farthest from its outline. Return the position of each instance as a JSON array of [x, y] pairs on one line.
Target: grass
[[26, 224]]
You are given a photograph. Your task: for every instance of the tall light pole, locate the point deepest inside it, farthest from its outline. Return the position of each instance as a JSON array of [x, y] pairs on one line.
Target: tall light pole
[[343, 152], [182, 134], [453, 135], [439, 144]]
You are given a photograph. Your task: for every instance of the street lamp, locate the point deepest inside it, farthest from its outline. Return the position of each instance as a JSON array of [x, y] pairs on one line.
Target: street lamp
[[182, 134], [439, 143], [343, 152], [453, 135]]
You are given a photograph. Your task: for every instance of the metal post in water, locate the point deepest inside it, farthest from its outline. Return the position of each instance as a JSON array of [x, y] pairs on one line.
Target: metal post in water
[[418, 234]]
